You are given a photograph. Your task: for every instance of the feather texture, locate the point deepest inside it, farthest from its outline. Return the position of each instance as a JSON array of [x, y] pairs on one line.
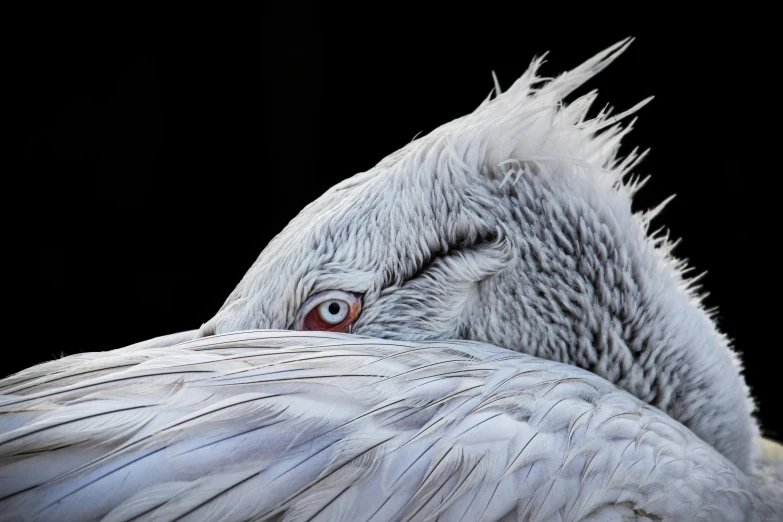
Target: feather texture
[[513, 225], [272, 425]]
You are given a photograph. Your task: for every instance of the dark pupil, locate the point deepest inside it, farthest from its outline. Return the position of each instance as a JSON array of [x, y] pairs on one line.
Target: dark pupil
[[334, 308]]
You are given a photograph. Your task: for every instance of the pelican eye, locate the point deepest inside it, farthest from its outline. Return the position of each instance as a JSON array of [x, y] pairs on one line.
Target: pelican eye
[[333, 312], [329, 311]]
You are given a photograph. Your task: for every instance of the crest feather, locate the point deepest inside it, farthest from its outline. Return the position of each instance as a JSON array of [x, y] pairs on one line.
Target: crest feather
[[530, 124]]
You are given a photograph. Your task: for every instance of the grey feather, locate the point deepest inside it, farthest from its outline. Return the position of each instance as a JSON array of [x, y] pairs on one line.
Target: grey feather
[[314, 426]]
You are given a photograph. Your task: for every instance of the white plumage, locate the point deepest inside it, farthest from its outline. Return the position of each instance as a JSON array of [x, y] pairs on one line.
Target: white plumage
[[510, 226], [324, 426]]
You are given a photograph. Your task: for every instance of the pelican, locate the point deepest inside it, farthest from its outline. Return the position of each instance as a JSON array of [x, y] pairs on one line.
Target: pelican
[[478, 328]]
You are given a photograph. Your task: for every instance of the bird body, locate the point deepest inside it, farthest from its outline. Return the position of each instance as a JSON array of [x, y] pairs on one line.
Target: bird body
[[324, 426], [499, 337]]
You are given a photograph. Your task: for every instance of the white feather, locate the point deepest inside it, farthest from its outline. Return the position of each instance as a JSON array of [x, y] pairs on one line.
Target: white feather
[[313, 426]]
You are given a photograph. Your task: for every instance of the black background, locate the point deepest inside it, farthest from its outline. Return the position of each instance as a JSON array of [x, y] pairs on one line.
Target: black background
[[164, 150]]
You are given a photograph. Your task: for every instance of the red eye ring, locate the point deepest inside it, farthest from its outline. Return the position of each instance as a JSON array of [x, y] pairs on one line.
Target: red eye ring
[[328, 311]]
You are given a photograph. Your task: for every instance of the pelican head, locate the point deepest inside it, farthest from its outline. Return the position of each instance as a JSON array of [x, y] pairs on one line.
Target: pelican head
[[513, 226]]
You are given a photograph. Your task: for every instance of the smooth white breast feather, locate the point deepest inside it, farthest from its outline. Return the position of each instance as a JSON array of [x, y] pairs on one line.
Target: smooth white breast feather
[[318, 426]]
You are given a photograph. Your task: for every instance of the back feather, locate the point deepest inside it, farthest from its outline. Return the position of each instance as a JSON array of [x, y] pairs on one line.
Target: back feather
[[294, 426]]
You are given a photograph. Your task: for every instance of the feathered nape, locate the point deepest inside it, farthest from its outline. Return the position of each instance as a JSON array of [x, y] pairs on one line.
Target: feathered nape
[[560, 136]]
